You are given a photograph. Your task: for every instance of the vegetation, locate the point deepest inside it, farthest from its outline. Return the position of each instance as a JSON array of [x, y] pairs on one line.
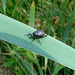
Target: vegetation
[[55, 17]]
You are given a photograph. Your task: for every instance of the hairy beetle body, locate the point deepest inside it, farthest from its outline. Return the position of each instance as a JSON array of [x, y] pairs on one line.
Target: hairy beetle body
[[37, 34]]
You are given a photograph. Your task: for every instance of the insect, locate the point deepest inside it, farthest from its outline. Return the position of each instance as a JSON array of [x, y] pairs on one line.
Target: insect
[[37, 34]]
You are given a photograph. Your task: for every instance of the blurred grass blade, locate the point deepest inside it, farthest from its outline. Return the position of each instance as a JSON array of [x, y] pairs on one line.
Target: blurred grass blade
[[38, 66], [27, 68], [67, 30], [57, 69], [73, 42], [74, 73], [35, 61], [14, 31], [32, 15], [4, 5], [46, 61]]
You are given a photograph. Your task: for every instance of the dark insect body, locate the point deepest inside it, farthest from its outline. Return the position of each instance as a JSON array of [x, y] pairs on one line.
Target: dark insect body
[[37, 34]]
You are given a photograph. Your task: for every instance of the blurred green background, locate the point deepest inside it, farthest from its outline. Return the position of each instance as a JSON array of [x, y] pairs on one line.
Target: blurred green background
[[53, 16]]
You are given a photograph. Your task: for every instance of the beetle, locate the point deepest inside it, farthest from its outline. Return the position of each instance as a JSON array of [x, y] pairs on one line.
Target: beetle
[[37, 34]]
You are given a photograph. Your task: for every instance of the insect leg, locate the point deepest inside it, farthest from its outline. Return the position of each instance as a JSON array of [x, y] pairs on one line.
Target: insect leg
[[33, 39], [39, 41]]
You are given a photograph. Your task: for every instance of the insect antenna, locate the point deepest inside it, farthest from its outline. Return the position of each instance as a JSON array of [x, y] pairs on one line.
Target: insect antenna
[[27, 34]]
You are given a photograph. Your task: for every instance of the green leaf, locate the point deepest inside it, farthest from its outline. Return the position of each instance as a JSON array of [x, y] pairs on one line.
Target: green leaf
[[20, 72], [9, 63], [67, 30], [4, 5], [32, 15], [14, 31]]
